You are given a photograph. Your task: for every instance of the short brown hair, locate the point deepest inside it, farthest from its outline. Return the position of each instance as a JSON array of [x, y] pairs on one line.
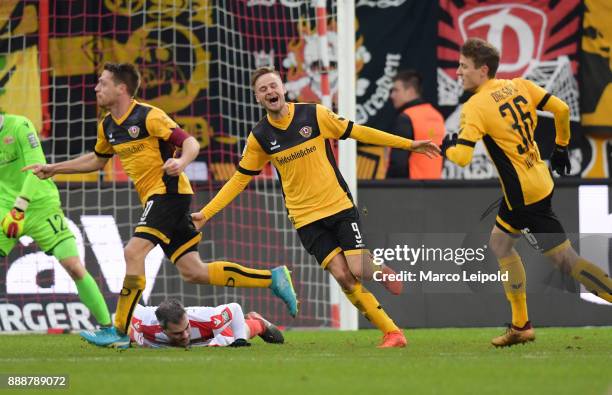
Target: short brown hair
[[169, 311], [482, 53], [262, 71], [410, 78], [125, 73]]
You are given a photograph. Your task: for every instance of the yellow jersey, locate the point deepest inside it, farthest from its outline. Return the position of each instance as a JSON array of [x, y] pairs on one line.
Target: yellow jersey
[[503, 114], [298, 148], [140, 139]]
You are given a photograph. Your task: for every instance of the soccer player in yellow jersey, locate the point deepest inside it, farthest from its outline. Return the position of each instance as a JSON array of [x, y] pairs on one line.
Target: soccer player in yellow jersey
[[503, 114], [293, 137], [145, 138]]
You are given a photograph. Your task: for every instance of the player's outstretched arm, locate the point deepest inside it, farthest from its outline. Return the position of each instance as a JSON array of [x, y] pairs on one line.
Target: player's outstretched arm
[[253, 160], [369, 135], [334, 126], [82, 164], [230, 190], [425, 147]]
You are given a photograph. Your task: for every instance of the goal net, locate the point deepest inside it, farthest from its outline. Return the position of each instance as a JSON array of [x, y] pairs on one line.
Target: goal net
[[195, 58]]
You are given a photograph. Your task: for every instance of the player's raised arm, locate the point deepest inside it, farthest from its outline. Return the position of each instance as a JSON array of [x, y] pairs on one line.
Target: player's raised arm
[[333, 126], [253, 160], [460, 148], [546, 102]]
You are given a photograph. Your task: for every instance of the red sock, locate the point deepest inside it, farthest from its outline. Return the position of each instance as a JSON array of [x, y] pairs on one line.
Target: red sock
[[256, 327]]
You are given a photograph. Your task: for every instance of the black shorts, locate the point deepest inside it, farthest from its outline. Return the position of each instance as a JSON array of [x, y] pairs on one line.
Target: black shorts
[[166, 220], [328, 236], [537, 222]]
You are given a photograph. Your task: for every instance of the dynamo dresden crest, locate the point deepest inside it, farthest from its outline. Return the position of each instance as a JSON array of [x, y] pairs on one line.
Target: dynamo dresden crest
[[516, 29], [134, 131], [306, 132]]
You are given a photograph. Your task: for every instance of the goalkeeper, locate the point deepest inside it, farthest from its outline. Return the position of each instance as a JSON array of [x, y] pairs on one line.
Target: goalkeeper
[[29, 206]]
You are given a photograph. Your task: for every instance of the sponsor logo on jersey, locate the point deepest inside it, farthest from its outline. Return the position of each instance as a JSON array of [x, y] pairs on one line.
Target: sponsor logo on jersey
[[283, 160], [306, 132], [9, 140], [274, 145], [131, 149], [134, 131]]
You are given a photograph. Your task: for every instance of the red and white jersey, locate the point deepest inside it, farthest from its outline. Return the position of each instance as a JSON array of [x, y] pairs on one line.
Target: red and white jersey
[[209, 326]]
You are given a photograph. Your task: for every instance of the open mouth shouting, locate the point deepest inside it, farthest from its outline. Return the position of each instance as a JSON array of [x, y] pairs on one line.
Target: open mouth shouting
[[273, 100]]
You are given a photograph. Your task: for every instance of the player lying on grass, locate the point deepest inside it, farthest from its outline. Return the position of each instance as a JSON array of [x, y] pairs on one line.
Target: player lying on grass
[[145, 138], [29, 206], [172, 325], [503, 114], [294, 137]]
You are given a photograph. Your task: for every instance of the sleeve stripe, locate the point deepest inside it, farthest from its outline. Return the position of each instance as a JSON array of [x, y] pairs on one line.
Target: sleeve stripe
[[103, 155], [347, 132], [466, 142], [543, 102], [248, 172]]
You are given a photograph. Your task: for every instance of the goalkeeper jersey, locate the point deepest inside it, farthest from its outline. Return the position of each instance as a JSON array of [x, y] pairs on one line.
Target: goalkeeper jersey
[[20, 147]]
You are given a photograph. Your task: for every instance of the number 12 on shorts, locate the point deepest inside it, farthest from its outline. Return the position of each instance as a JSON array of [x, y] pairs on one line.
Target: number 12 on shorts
[[57, 223]]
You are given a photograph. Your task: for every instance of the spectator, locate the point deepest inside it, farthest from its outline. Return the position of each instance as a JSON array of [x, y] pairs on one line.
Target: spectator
[[416, 120]]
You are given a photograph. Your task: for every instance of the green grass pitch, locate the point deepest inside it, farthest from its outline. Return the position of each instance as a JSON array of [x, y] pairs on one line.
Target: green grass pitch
[[436, 361]]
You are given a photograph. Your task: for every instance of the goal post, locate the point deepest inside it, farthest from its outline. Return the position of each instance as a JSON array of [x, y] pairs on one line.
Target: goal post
[[347, 149]]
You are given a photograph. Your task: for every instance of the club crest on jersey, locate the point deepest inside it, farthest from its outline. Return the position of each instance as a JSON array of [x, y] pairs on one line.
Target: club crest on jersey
[[134, 131], [306, 132], [221, 319], [8, 140]]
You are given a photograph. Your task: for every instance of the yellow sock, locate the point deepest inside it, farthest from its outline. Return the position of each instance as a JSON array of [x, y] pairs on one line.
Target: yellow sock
[[593, 278], [128, 298], [228, 274], [515, 288], [371, 309]]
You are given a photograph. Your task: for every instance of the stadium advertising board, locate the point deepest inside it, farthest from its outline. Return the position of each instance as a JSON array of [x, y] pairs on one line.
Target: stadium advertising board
[[39, 295]]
